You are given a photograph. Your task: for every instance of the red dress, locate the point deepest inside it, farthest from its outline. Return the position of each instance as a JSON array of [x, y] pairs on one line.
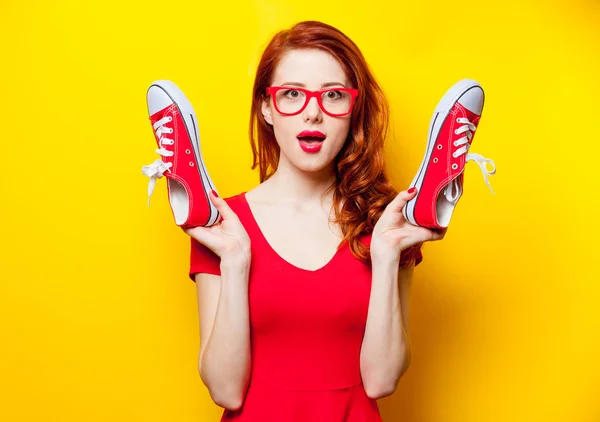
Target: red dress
[[306, 331]]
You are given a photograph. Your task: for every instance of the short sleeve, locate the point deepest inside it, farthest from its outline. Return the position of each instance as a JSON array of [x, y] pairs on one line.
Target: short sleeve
[[203, 260]]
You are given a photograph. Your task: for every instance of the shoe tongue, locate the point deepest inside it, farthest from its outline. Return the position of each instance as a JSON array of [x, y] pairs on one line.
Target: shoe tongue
[[472, 117]]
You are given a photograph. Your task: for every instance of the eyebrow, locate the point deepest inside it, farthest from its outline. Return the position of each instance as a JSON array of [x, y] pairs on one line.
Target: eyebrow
[[325, 85]]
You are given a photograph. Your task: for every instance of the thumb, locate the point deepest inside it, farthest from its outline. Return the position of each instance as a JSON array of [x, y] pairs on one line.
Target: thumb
[[222, 206], [403, 197]]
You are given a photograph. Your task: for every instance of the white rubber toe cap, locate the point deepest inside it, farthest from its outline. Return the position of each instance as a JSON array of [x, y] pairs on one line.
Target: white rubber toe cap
[[472, 100], [157, 99]]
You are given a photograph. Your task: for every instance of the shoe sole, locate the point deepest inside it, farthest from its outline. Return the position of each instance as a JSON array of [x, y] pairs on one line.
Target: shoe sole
[[191, 124], [438, 119]]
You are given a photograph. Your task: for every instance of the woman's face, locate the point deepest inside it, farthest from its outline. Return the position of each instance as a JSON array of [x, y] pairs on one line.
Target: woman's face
[[313, 70]]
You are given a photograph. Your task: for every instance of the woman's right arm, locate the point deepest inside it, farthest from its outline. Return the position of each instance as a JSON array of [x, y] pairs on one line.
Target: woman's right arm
[[224, 362]]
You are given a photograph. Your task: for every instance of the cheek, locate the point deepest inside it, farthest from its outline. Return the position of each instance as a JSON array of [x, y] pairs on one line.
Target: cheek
[[283, 126], [340, 129]]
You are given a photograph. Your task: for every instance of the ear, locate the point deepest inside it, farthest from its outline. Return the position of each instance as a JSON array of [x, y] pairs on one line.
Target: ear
[[266, 111]]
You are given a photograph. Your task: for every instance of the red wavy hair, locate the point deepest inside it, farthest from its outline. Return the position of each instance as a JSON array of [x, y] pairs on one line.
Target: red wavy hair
[[362, 189]]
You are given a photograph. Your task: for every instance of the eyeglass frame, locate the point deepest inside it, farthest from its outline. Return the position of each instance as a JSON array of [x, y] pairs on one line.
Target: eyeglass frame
[[272, 90]]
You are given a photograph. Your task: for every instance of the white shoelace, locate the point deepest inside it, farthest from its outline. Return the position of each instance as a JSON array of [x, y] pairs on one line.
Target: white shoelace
[[156, 170], [452, 191]]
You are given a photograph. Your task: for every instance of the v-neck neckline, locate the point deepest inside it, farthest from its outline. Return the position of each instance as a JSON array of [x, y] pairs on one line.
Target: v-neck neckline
[[276, 254]]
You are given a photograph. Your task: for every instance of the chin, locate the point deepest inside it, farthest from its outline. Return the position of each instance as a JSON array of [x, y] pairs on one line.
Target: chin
[[312, 168], [312, 164], [309, 162]]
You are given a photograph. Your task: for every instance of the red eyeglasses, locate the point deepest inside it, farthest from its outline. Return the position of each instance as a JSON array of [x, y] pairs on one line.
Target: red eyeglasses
[[290, 101]]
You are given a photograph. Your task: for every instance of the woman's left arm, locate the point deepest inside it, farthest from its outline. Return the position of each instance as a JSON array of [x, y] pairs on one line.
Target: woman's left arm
[[385, 353], [405, 278]]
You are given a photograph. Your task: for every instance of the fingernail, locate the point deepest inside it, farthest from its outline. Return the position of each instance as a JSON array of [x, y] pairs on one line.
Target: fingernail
[[411, 190], [214, 193]]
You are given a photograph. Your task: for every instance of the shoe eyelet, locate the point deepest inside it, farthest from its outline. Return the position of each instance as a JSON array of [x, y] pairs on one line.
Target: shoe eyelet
[[440, 146], [435, 160], [454, 166], [191, 164], [170, 119], [187, 151]]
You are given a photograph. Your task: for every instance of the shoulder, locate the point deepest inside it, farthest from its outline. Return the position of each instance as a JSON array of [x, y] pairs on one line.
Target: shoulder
[[236, 202], [234, 198], [239, 205]]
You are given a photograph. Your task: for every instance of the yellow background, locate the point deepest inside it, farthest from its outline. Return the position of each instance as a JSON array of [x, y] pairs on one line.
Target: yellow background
[[98, 317]]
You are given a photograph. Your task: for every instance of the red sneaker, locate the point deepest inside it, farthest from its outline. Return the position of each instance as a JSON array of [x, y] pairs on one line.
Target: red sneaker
[[176, 131], [439, 181]]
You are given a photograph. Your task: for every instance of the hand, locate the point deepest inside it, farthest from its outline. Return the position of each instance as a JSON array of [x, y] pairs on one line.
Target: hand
[[228, 238], [393, 233]]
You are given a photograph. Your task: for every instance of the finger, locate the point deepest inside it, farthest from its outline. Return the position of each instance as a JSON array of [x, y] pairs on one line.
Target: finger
[[439, 234], [222, 206], [203, 235]]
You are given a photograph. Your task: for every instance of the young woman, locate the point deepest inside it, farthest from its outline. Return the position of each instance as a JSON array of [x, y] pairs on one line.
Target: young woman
[[303, 287]]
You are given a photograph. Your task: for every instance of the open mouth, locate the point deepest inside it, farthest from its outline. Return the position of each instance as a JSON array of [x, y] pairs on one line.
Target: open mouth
[[311, 141]]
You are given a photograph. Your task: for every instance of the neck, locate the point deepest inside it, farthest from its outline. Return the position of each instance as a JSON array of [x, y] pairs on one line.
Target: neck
[[289, 183]]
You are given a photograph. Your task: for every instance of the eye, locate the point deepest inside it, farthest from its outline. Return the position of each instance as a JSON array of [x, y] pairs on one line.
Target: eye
[[333, 95], [292, 93]]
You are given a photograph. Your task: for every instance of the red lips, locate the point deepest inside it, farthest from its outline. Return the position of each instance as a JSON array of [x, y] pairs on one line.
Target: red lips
[[308, 135]]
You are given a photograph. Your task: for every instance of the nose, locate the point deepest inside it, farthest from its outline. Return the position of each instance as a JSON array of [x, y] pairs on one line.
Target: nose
[[312, 112]]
